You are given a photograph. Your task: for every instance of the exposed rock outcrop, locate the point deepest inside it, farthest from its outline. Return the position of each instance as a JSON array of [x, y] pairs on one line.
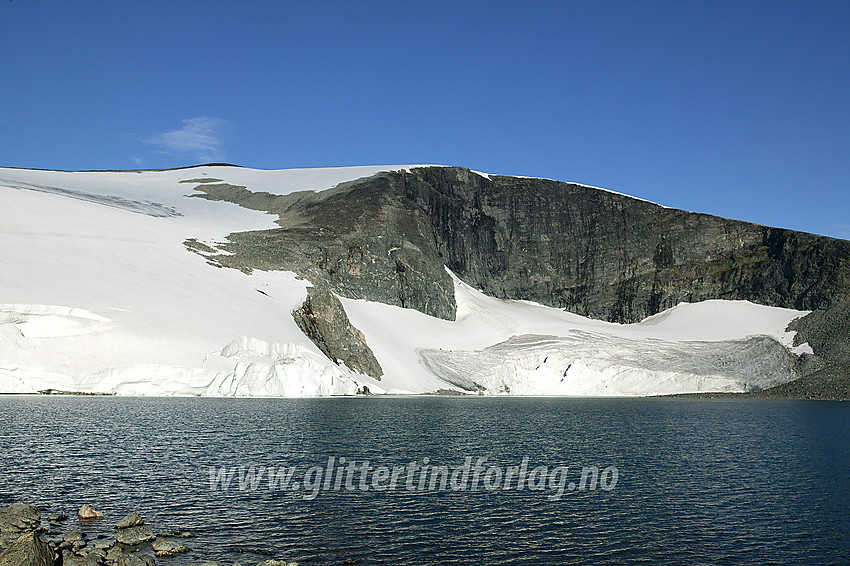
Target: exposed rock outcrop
[[15, 520], [362, 239], [18, 518], [827, 374], [131, 520], [168, 547], [135, 535], [20, 543], [322, 319], [27, 550]]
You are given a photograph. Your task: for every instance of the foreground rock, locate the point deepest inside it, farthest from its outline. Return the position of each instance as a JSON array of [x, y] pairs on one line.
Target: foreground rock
[[15, 520], [122, 559], [73, 536], [20, 525], [131, 520], [168, 547], [89, 512], [133, 536], [73, 540], [19, 517], [27, 550], [69, 559]]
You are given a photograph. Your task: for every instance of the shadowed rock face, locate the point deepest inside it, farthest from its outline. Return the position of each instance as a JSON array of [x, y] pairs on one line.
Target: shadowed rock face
[[387, 237], [363, 239], [612, 257], [322, 319]]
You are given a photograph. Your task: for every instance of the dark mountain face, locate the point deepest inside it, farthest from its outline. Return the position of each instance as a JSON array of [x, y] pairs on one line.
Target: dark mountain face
[[592, 252], [612, 257]]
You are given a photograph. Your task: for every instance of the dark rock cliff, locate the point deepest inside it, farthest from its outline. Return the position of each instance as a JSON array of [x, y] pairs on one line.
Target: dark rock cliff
[[608, 256], [593, 252]]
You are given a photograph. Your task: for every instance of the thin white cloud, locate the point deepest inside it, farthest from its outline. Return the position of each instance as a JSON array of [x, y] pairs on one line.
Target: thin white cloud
[[199, 137]]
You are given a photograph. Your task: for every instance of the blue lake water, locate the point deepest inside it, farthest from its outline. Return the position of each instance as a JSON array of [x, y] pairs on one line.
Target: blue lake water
[[699, 481]]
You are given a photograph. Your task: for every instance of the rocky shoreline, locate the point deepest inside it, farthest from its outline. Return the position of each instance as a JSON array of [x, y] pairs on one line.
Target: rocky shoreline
[[24, 541]]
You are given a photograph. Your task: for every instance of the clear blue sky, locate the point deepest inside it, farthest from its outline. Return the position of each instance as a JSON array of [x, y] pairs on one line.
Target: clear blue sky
[[740, 109]]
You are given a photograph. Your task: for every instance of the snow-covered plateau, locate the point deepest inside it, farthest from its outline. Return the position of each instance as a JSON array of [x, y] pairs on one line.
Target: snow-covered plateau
[[99, 293]]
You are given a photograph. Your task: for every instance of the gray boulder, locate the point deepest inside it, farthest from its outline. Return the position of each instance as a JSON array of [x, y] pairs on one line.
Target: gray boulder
[[27, 550], [73, 536], [135, 535], [113, 554], [135, 560], [75, 560], [97, 553], [168, 547], [131, 520]]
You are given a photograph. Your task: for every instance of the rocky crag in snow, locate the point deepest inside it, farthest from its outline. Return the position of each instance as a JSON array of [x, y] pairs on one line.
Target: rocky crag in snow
[[387, 238]]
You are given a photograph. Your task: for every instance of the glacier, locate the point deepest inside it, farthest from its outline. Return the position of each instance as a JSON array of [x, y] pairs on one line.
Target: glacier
[[99, 294]]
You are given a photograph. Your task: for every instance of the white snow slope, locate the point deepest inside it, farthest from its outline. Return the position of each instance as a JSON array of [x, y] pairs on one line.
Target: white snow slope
[[99, 294]]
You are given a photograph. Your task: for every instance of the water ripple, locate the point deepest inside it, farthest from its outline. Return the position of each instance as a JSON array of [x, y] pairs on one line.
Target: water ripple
[[701, 481]]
